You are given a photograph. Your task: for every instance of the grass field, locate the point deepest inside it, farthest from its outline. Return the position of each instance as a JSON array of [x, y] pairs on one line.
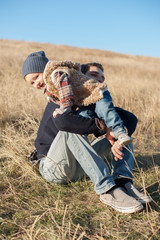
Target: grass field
[[31, 208]]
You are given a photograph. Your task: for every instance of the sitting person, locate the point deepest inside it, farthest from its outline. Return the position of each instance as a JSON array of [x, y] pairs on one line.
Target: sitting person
[[65, 81], [65, 154]]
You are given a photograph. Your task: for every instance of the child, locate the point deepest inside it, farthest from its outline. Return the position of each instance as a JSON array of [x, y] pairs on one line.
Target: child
[[65, 80], [79, 92]]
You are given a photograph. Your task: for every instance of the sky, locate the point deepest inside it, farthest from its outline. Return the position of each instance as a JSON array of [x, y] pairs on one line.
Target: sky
[[122, 26]]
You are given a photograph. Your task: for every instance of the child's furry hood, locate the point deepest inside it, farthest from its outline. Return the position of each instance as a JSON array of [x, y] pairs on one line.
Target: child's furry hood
[[86, 90]]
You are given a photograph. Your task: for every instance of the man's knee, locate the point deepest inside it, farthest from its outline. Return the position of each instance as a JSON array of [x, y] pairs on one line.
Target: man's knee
[[53, 172], [101, 146]]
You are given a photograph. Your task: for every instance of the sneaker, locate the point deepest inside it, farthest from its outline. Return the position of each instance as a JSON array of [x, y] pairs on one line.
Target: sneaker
[[124, 139], [139, 196], [121, 201]]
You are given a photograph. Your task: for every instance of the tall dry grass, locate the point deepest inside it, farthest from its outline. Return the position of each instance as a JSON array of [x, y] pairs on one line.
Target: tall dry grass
[[34, 209]]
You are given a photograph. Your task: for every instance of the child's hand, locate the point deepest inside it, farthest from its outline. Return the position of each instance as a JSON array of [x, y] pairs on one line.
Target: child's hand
[[60, 110], [49, 99], [56, 112]]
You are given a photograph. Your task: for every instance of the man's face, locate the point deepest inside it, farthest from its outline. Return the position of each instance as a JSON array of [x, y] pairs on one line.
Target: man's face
[[96, 73], [35, 79]]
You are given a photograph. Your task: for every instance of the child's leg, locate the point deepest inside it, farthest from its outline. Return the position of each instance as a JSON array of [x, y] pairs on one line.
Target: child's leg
[[105, 109], [88, 112]]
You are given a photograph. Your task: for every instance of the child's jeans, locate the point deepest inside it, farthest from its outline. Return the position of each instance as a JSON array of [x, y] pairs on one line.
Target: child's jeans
[[104, 108]]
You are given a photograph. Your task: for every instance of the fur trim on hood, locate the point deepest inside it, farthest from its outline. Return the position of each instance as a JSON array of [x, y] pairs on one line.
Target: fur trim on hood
[[86, 90]]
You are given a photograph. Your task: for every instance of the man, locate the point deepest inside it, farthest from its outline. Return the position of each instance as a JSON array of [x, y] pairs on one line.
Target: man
[[66, 154]]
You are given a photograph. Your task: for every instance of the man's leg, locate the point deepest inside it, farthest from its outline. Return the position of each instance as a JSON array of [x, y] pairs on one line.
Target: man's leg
[[122, 174], [60, 165], [122, 169], [68, 155], [102, 146], [55, 168]]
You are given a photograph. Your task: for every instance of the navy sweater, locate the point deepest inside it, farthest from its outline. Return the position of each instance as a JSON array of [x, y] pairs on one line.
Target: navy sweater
[[73, 123]]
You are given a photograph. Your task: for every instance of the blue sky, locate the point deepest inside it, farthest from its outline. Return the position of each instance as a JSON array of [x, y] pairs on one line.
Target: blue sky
[[124, 26]]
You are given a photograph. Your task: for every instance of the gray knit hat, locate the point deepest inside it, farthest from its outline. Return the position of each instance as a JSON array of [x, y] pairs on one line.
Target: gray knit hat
[[34, 63]]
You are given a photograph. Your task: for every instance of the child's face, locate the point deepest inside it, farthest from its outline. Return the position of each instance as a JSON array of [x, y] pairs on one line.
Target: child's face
[[35, 79], [96, 73]]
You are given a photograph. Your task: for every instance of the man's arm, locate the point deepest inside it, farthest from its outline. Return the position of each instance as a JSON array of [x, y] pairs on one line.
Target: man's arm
[[71, 122], [129, 119]]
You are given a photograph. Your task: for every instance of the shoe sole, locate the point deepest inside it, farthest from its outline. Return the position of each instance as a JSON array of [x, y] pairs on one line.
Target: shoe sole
[[124, 210], [143, 201]]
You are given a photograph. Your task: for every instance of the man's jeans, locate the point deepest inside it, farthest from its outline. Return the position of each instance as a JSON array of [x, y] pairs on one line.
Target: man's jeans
[[71, 156]]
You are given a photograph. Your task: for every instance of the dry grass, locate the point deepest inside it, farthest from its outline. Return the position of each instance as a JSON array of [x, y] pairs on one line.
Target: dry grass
[[32, 209]]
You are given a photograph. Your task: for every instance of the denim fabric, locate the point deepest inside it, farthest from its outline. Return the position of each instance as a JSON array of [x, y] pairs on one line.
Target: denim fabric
[[121, 168], [71, 156], [104, 108], [88, 112]]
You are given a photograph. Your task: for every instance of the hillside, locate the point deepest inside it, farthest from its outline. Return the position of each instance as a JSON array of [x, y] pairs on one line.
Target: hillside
[[132, 80], [34, 209]]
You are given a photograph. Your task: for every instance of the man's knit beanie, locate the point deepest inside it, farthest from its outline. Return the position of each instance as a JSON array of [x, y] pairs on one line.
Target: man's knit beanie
[[34, 63]]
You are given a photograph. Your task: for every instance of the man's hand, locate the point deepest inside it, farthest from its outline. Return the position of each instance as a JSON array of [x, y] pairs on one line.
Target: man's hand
[[116, 147], [110, 136], [117, 151]]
